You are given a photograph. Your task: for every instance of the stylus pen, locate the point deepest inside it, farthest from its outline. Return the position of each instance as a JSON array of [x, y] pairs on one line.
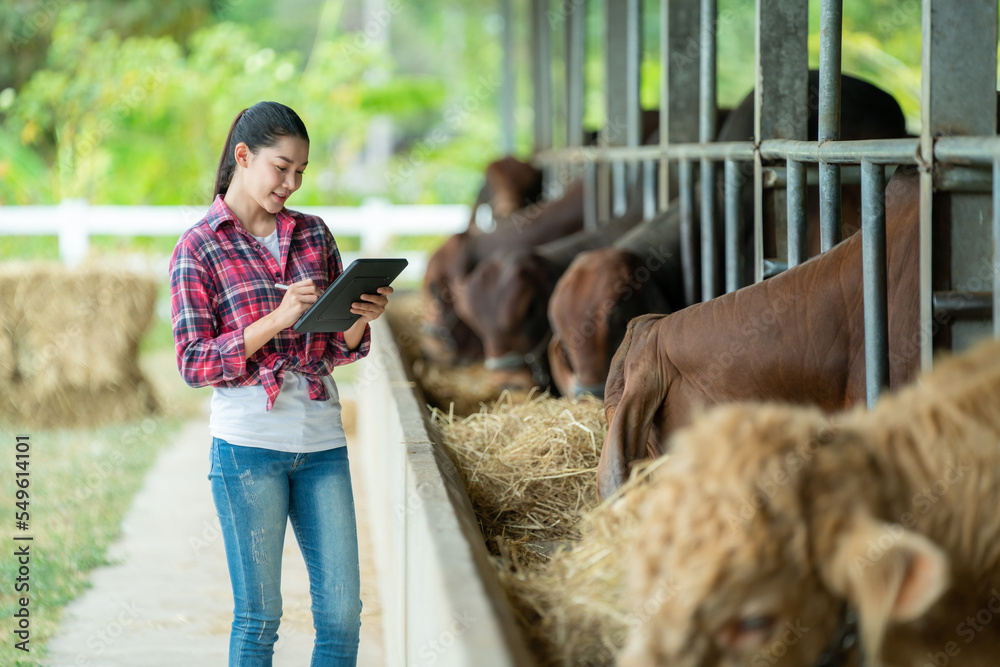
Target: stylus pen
[[281, 286]]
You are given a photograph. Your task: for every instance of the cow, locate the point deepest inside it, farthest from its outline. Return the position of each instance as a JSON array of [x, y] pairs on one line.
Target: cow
[[509, 185], [445, 338], [601, 291], [797, 337], [504, 301], [590, 297]]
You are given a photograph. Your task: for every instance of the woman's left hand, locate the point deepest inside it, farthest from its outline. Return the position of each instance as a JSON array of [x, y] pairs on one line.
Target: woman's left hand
[[371, 306]]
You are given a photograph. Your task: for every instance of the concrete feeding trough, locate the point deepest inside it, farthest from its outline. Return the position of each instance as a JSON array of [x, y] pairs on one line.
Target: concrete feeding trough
[[442, 602]]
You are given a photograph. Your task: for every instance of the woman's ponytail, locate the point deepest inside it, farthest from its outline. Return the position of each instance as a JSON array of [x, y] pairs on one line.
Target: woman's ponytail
[[227, 163], [259, 126]]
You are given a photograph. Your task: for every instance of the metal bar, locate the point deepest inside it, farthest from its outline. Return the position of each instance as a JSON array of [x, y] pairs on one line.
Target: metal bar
[[959, 66], [996, 247], [603, 190], [781, 93], [733, 235], [706, 132], [619, 189], [873, 258], [665, 42], [648, 189], [956, 178], [680, 74], [708, 287], [623, 56], [797, 250], [541, 73], [575, 12], [777, 177], [781, 90], [707, 73], [685, 183], [831, 34], [963, 305], [590, 196], [877, 151], [507, 84], [967, 150], [759, 260]]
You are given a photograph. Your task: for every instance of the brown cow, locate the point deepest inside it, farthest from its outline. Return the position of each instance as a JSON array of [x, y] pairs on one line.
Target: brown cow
[[602, 290], [509, 186], [504, 301], [797, 337], [445, 337]]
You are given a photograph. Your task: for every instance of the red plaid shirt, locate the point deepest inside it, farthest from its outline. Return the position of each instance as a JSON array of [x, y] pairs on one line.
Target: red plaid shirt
[[222, 280]]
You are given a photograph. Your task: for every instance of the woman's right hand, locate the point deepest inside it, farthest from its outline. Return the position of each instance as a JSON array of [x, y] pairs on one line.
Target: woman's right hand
[[299, 297]]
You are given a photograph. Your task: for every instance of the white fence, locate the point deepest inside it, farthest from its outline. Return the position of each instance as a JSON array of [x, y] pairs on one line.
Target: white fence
[[374, 222]]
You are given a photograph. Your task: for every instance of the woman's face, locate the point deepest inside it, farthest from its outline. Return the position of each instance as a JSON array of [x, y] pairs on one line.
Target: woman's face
[[272, 174]]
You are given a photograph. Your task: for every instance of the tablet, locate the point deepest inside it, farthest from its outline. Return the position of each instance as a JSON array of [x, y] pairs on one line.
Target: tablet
[[332, 311]]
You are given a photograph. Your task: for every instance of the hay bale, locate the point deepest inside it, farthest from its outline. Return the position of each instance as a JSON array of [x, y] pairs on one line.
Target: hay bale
[[70, 344]]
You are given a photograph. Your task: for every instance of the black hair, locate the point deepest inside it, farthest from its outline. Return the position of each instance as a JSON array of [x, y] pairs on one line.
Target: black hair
[[258, 127]]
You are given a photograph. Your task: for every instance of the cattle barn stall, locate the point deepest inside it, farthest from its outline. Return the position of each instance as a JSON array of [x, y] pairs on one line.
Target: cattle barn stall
[[957, 147], [446, 606]]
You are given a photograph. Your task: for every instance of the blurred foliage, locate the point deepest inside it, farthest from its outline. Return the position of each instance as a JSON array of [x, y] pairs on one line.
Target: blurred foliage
[[129, 103]]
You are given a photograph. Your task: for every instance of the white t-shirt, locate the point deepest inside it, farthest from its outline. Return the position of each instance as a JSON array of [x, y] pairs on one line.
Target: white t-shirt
[[295, 423]]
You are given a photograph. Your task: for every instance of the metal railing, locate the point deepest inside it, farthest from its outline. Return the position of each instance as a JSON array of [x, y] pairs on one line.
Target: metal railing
[[959, 56]]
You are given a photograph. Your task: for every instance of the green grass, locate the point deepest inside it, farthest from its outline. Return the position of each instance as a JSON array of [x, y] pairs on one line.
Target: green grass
[[82, 482]]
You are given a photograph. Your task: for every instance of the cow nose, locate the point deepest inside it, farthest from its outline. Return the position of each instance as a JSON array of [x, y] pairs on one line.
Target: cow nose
[[595, 390]]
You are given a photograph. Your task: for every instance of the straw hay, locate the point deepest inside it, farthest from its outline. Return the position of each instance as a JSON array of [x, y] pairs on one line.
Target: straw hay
[[530, 470], [68, 344], [529, 467], [573, 608]]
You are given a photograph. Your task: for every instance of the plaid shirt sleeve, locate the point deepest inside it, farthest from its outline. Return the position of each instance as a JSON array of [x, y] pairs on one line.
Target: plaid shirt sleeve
[[204, 355], [338, 346]]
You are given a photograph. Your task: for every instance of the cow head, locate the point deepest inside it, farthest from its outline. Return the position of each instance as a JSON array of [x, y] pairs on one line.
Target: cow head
[[509, 186], [512, 185], [504, 300], [765, 517], [444, 337], [589, 311]]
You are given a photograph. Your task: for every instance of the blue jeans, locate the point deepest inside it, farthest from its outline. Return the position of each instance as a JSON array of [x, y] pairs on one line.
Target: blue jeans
[[256, 491]]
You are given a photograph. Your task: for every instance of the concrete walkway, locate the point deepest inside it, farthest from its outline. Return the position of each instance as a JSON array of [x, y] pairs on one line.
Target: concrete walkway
[[167, 600]]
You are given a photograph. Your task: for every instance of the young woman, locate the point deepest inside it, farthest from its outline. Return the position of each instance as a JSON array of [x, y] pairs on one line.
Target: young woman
[[278, 447]]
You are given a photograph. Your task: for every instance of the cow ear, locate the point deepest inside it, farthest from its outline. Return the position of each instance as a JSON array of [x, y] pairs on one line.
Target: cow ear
[[890, 574]]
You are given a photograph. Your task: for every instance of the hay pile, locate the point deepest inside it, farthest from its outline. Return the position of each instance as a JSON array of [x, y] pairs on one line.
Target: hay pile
[[530, 469], [573, 608], [68, 344]]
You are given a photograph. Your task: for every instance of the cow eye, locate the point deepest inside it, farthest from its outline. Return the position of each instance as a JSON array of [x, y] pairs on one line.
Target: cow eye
[[756, 623], [746, 632]]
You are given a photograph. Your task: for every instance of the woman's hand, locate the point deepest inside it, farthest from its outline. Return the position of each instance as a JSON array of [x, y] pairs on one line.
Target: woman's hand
[[299, 297], [371, 306], [297, 300]]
